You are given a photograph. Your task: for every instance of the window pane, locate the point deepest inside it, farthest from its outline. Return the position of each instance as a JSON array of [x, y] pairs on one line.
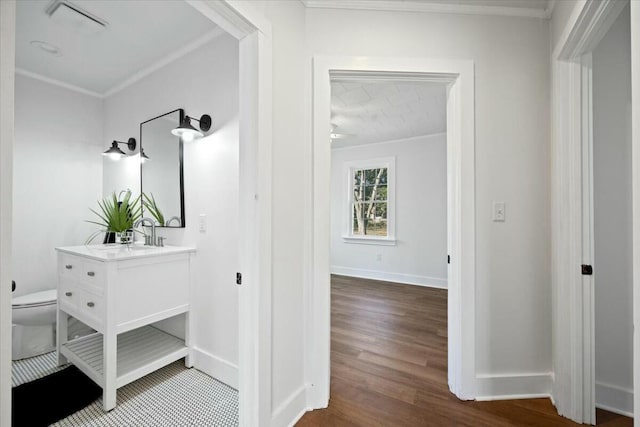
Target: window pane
[[357, 177], [357, 219], [373, 175], [377, 219], [381, 193], [369, 219]]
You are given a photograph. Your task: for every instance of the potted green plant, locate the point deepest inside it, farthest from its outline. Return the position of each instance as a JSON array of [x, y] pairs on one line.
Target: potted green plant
[[117, 215]]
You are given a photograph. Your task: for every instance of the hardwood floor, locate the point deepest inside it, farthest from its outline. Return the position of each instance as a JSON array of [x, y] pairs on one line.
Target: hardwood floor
[[389, 365]]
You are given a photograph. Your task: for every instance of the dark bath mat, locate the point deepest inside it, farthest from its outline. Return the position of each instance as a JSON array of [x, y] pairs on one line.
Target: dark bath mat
[[46, 400]]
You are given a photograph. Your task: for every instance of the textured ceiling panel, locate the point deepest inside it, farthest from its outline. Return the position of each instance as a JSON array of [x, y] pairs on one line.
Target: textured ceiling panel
[[370, 112]]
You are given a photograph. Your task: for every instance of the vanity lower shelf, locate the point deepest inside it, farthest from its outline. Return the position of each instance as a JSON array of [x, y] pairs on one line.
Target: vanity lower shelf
[[140, 352]]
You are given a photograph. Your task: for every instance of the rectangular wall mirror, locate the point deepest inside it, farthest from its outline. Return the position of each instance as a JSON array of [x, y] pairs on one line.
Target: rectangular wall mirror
[[161, 170]]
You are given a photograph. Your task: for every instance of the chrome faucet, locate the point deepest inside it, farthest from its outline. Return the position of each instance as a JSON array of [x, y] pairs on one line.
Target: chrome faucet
[[173, 218], [152, 240]]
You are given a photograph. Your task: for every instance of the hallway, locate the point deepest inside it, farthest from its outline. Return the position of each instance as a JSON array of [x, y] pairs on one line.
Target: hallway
[[389, 365]]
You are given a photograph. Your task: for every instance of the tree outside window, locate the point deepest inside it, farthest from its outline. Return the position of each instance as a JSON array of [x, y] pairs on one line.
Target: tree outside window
[[369, 208], [370, 217]]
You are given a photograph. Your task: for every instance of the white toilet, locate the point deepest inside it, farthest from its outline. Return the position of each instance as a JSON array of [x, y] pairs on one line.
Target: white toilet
[[34, 320]]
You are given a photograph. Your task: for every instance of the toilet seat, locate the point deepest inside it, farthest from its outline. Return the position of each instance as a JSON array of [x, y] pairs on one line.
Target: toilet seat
[[36, 299]]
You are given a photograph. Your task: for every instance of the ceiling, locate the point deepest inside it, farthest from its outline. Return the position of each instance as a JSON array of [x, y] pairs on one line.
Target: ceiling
[[370, 112], [99, 62]]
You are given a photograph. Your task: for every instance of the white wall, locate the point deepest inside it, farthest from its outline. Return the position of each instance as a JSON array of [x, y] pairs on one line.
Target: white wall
[[203, 81], [511, 57], [612, 208], [7, 89], [420, 254], [291, 187], [57, 177]]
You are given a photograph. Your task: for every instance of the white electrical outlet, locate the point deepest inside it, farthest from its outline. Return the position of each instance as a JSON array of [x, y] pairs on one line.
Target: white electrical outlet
[[499, 213], [203, 223]]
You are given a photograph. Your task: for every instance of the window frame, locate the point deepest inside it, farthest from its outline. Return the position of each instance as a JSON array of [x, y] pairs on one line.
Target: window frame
[[350, 168]]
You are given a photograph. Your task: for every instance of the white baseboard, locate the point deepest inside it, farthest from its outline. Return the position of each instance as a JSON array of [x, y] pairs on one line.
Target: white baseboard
[[410, 279], [216, 367], [614, 399], [513, 386], [291, 410]]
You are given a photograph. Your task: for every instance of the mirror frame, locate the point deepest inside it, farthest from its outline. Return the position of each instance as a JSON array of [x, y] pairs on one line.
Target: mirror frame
[[181, 158]]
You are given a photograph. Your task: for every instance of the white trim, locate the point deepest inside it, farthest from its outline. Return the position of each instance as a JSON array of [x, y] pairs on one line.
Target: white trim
[[426, 7], [289, 412], [215, 367], [459, 77], [369, 240], [586, 27], [635, 155], [513, 386], [393, 141], [7, 88], [588, 241], [548, 11], [612, 398], [59, 83], [573, 384], [386, 276], [166, 60]]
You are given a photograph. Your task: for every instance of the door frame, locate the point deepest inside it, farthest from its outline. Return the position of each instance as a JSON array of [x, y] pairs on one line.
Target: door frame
[[635, 177], [253, 31], [573, 389], [459, 77]]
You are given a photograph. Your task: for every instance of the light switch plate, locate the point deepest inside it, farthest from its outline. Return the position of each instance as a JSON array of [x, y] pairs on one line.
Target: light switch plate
[[499, 211], [203, 223]]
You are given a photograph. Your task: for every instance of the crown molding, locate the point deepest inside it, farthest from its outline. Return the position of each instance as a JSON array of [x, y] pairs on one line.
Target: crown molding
[[426, 7], [391, 141], [549, 9], [36, 76], [217, 32], [133, 78]]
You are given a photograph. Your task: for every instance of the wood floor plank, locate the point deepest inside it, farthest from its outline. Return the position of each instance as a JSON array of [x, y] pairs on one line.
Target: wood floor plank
[[389, 366]]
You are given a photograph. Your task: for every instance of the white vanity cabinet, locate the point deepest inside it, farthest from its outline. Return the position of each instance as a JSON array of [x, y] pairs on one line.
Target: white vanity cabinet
[[120, 291]]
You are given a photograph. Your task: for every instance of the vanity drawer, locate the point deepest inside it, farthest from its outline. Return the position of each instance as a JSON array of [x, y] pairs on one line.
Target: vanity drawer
[[69, 266], [91, 308], [68, 296], [94, 273], [85, 272]]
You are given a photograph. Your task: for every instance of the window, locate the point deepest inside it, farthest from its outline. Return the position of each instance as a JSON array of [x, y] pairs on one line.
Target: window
[[371, 201]]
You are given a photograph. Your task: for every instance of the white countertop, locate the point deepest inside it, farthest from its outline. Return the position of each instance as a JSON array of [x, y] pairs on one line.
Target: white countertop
[[117, 251]]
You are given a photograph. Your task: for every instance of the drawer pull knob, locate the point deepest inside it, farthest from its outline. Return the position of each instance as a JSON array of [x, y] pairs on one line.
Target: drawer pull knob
[[68, 266], [68, 293], [90, 304], [91, 273]]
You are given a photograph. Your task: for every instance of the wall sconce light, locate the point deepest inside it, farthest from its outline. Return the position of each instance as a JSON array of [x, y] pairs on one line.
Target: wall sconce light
[[187, 132], [115, 153], [143, 157]]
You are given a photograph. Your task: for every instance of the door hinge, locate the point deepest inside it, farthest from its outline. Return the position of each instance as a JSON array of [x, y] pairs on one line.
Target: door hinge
[[448, 259], [587, 270], [238, 278]]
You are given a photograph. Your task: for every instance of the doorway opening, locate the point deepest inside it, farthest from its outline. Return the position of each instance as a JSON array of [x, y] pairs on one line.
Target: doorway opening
[[608, 233], [457, 77], [252, 36], [388, 242]]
